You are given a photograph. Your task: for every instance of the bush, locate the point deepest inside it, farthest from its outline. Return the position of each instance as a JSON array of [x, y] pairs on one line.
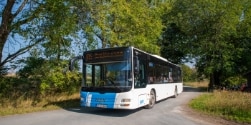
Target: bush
[[58, 82], [35, 81], [234, 82]]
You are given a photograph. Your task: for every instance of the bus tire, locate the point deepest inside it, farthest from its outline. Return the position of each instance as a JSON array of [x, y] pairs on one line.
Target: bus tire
[[152, 100]]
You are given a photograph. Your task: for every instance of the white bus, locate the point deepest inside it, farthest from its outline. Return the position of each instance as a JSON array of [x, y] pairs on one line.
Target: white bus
[[126, 78]]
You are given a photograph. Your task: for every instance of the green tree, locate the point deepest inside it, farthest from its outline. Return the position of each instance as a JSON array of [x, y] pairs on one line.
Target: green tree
[[60, 27], [209, 26], [121, 23], [174, 43], [189, 74], [242, 39], [35, 22]]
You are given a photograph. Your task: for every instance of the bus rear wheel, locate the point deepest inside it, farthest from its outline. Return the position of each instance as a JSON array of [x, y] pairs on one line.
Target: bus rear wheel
[[152, 100]]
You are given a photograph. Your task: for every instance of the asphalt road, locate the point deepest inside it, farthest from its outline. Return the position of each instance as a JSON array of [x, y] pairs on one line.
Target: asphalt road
[[166, 112]]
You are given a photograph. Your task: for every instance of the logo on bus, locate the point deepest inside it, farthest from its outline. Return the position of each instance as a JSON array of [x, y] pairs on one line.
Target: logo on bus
[[100, 100]]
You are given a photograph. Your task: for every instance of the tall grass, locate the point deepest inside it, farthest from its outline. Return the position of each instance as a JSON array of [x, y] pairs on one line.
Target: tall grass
[[231, 105], [10, 106]]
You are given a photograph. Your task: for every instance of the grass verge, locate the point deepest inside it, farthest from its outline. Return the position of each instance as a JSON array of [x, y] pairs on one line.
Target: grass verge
[[231, 105], [21, 105]]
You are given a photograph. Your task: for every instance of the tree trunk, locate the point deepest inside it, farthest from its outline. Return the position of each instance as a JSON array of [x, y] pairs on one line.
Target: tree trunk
[[1, 50], [5, 28], [214, 80]]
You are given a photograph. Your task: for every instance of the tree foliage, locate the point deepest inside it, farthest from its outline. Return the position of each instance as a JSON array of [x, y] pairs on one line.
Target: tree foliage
[[53, 25], [174, 44], [189, 74], [47, 29], [49, 77], [121, 23], [33, 22], [215, 34]]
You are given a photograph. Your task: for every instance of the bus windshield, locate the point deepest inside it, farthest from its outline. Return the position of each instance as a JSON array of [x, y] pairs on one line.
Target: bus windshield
[[113, 77]]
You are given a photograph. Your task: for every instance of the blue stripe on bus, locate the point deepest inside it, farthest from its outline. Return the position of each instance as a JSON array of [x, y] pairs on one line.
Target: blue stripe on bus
[[96, 99]]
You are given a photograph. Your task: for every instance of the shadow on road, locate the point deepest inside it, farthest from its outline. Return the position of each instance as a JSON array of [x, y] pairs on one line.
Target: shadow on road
[[192, 89], [73, 105], [104, 112]]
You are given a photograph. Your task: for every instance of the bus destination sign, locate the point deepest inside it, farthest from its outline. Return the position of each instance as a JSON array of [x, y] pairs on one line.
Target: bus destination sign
[[100, 56]]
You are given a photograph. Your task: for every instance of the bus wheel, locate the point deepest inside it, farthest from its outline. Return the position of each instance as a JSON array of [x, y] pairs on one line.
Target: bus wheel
[[152, 100]]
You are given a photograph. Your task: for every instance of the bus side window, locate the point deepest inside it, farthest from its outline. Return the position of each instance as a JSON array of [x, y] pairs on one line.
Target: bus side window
[[151, 74], [170, 75], [165, 79], [140, 80], [150, 79]]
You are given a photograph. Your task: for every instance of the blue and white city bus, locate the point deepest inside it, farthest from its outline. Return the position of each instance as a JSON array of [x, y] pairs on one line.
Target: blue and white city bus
[[126, 78]]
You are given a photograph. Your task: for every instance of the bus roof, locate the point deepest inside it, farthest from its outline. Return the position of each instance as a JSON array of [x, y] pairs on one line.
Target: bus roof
[[132, 47], [156, 56]]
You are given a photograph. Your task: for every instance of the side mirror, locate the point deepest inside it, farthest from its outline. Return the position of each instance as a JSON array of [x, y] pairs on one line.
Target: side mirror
[[72, 62]]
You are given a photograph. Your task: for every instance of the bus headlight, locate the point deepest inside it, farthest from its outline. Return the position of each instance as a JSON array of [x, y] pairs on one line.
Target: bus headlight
[[126, 100]]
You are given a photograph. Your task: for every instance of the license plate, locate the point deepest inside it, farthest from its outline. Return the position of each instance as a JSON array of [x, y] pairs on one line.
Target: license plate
[[101, 106]]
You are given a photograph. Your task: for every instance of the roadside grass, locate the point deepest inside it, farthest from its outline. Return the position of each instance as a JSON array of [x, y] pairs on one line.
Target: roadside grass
[[20, 105], [230, 105]]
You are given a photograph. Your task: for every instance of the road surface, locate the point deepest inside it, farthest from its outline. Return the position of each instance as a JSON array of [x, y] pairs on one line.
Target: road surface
[[166, 112]]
